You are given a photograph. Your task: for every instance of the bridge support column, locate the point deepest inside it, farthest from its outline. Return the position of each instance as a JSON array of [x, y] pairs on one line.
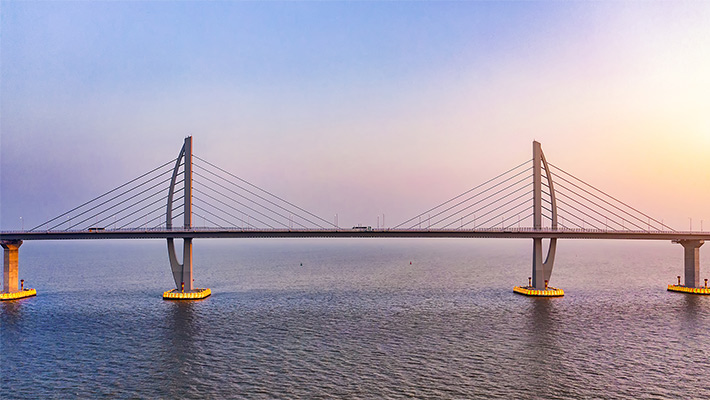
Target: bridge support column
[[11, 277], [691, 250], [692, 262], [187, 265], [11, 269], [542, 270]]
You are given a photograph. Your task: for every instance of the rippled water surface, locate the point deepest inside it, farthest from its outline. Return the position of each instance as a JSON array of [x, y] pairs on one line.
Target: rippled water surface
[[303, 319]]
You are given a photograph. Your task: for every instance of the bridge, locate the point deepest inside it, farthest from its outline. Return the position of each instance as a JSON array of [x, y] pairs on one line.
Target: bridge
[[523, 202]]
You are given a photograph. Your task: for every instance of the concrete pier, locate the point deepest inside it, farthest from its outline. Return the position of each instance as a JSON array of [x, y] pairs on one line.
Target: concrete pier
[[692, 261], [11, 276], [11, 289], [691, 248]]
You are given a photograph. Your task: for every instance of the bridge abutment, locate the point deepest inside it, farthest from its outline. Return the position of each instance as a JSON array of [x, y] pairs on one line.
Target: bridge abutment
[[11, 272]]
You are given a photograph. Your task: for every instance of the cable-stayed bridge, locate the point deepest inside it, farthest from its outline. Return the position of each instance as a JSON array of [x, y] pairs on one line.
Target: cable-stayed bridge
[[189, 197]]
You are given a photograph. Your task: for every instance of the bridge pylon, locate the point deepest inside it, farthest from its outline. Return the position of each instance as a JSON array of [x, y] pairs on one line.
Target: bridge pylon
[[542, 264], [182, 272]]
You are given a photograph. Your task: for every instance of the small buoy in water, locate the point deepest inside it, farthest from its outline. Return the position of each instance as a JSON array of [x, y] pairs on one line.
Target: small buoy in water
[[410, 263], [301, 264]]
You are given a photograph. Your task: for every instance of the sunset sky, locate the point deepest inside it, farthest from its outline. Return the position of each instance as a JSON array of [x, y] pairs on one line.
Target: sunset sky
[[356, 108]]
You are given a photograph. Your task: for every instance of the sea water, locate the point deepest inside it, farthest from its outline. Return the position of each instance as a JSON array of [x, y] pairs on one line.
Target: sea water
[[354, 319]]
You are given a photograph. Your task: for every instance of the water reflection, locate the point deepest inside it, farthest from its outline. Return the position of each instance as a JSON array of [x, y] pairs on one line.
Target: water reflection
[[691, 307], [692, 313], [182, 350], [541, 352], [541, 326], [11, 312]]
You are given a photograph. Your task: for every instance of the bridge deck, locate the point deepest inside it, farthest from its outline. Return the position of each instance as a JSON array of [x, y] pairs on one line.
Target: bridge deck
[[199, 233]]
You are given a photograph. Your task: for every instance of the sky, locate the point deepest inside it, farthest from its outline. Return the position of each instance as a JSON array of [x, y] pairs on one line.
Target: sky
[[355, 108]]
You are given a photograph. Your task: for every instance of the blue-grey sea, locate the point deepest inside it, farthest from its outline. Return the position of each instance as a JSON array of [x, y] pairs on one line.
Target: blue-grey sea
[[354, 319]]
